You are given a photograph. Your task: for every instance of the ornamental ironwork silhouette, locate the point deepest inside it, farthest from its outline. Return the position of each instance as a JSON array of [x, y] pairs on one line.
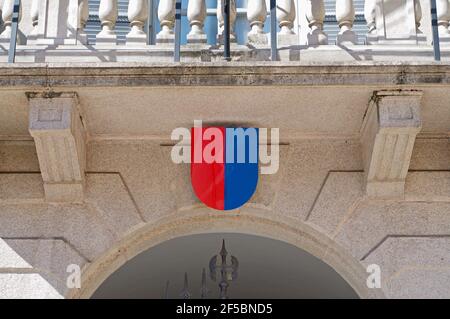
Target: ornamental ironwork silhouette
[[222, 270]]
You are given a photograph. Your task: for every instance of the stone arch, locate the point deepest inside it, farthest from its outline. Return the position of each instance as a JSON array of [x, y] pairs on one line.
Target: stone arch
[[248, 221]]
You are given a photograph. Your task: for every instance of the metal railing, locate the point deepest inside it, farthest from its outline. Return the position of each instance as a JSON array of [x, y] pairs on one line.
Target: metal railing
[[14, 29], [434, 26], [227, 28]]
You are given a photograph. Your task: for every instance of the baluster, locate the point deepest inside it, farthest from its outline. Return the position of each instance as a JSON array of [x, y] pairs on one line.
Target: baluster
[[286, 17], [443, 15], [418, 14], [390, 23], [345, 15], [220, 13], [107, 12], [7, 14], [34, 15], [137, 15], [421, 38], [196, 14], [166, 16], [370, 16], [315, 14], [83, 12], [256, 15]]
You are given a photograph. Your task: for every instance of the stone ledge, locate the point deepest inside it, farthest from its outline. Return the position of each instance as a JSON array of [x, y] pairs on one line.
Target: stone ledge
[[214, 53], [221, 74]]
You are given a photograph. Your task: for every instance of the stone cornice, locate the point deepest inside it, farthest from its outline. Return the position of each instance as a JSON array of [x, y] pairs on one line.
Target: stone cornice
[[222, 74]]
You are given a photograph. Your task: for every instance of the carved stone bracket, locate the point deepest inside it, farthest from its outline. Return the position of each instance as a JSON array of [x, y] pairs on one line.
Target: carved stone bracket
[[388, 134], [55, 124]]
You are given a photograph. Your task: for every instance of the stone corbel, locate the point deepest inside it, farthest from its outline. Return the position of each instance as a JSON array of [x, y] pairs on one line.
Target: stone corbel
[[56, 125], [388, 133]]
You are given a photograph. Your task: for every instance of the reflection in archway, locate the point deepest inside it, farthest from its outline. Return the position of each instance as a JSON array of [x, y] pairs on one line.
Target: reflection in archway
[[267, 269]]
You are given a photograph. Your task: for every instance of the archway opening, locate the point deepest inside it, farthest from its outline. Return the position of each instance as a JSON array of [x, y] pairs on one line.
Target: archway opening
[[262, 268]]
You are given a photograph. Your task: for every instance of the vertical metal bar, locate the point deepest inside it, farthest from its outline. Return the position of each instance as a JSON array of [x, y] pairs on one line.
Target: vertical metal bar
[[176, 56], [149, 23], [155, 20], [273, 30], [434, 26], [14, 29], [226, 30]]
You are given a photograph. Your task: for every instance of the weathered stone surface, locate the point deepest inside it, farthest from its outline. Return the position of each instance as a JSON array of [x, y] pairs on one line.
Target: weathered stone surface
[[409, 261], [21, 187], [309, 164], [374, 220], [431, 154], [258, 39], [153, 179], [110, 196], [336, 201], [10, 258], [75, 223], [107, 200], [428, 186], [47, 257], [26, 286]]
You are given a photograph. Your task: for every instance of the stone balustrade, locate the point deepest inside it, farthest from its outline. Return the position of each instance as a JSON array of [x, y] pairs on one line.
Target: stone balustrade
[[42, 24]]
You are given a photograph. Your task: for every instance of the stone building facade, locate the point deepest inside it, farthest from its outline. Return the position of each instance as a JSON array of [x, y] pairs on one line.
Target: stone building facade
[[85, 171]]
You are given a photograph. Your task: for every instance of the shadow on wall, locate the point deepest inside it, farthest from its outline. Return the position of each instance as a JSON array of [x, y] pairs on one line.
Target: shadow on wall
[[29, 260]]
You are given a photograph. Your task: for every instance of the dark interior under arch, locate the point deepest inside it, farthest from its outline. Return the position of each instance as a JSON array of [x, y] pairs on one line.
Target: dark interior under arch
[[266, 268]]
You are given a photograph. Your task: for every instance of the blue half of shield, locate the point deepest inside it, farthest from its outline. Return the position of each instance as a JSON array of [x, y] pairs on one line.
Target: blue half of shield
[[241, 166]]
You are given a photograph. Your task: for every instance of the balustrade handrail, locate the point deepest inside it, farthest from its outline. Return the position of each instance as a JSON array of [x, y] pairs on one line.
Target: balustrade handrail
[[281, 11]]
